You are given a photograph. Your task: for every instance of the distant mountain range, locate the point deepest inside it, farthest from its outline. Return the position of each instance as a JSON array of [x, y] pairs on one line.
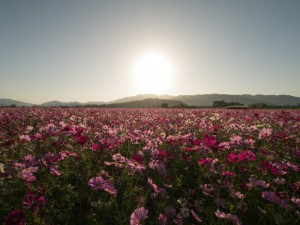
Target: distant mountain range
[[9, 102], [70, 104], [139, 97], [150, 100]]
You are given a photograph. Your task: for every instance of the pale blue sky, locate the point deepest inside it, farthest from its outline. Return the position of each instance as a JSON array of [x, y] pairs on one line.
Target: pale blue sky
[[84, 50]]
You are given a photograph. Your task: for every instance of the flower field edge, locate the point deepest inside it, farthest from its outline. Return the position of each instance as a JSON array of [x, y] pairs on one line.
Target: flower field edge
[[149, 166]]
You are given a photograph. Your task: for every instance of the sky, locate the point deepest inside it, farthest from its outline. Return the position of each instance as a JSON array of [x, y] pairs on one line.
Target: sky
[[87, 50]]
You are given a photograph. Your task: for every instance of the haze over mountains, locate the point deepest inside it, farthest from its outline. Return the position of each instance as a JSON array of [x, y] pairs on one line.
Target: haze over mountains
[[150, 100]]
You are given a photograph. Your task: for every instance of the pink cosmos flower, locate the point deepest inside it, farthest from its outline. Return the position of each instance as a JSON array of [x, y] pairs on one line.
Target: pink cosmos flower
[[150, 182], [224, 146], [133, 166], [235, 140], [207, 189], [264, 133], [228, 173], [250, 142], [279, 180], [97, 183], [239, 195], [138, 215], [221, 215], [25, 138], [159, 166], [27, 174], [196, 217], [204, 161], [272, 197], [95, 147], [296, 201], [54, 170], [162, 219], [254, 183]]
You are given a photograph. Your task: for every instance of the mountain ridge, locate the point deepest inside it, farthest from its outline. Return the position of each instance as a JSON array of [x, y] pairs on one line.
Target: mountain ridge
[[191, 100]]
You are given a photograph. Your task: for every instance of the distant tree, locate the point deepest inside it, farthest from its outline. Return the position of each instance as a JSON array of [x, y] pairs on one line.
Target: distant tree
[[13, 106], [222, 104], [164, 105], [219, 104], [181, 105], [234, 104], [259, 106]]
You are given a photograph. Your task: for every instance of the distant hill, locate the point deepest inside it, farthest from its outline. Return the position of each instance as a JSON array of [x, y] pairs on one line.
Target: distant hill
[[9, 102], [139, 97], [208, 99], [148, 103], [93, 103], [157, 100], [275, 99], [68, 104], [58, 103]]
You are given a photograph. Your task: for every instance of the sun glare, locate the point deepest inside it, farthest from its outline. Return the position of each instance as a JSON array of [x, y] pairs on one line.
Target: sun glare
[[153, 73]]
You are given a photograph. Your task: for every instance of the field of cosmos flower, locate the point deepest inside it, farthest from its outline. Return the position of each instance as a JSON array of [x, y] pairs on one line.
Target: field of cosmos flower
[[149, 166]]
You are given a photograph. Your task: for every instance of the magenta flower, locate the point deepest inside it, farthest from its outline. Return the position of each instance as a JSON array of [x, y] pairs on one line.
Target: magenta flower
[[249, 155], [15, 217], [34, 201], [232, 157], [204, 161], [243, 156], [162, 153], [138, 215], [95, 147], [137, 158], [209, 141], [80, 139]]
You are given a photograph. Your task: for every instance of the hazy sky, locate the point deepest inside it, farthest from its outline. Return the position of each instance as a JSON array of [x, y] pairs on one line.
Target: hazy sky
[[85, 50]]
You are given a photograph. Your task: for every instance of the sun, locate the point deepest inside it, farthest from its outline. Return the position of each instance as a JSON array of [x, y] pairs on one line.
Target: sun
[[153, 73]]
